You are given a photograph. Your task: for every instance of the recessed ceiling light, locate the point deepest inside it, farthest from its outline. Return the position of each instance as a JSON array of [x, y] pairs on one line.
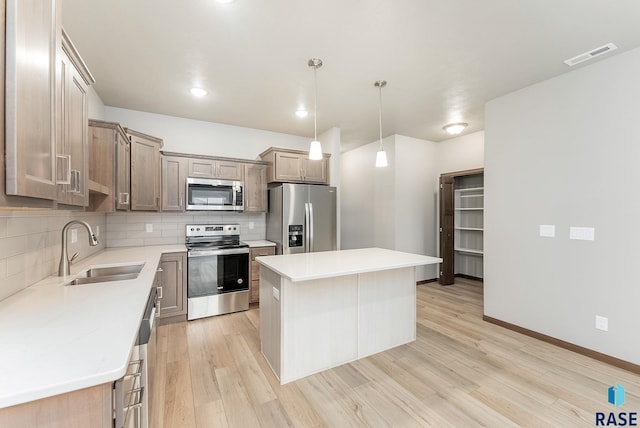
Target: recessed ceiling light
[[455, 128], [198, 92], [302, 113]]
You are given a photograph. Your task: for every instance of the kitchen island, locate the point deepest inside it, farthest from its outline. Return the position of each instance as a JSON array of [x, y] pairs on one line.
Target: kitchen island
[[321, 310]]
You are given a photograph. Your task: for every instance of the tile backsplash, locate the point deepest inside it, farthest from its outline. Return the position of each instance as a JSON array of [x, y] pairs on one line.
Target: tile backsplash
[[30, 241], [130, 229], [30, 245]]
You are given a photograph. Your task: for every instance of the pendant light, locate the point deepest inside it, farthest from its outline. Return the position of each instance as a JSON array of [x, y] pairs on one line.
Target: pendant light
[[381, 156], [315, 149]]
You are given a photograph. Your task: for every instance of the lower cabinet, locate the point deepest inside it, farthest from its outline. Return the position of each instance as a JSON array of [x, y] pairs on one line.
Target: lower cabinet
[[173, 306], [254, 272]]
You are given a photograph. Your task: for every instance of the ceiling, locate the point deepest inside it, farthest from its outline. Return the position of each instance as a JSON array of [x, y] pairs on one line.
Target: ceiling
[[443, 59]]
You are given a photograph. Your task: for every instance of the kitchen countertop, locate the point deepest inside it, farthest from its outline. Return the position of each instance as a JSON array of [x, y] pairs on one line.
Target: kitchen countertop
[[327, 264], [261, 243], [57, 338]]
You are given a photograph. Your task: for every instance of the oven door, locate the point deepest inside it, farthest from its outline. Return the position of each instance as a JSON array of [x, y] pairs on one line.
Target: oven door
[[213, 272]]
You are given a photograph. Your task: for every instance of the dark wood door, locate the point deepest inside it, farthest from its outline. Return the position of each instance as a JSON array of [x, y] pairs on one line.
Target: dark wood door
[[446, 229]]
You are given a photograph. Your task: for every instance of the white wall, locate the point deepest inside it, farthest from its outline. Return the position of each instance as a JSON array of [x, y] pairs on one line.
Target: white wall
[[390, 207], [205, 138], [460, 153], [95, 105], [565, 152]]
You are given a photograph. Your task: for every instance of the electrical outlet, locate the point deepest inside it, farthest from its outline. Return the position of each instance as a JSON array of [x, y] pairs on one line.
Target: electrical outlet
[[74, 236], [149, 227], [97, 231], [602, 323], [276, 293], [251, 225]]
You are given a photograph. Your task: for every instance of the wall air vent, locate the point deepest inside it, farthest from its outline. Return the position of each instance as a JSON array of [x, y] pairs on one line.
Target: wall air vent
[[591, 54]]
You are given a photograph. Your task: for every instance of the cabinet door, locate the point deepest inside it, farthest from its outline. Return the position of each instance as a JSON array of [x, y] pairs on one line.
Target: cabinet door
[[174, 174], [254, 274], [202, 168], [255, 188], [315, 171], [174, 280], [72, 132], [123, 172], [32, 31], [288, 167], [226, 170], [145, 174], [446, 276]]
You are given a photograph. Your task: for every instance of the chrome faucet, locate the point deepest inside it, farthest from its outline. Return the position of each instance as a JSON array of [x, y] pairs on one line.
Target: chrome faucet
[[65, 263]]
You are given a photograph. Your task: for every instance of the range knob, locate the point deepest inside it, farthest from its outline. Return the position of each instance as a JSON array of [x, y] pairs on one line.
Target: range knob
[[192, 229]]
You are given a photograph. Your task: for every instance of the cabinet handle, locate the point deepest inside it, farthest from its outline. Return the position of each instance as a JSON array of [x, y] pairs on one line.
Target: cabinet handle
[[63, 169], [159, 293], [75, 181], [123, 198]]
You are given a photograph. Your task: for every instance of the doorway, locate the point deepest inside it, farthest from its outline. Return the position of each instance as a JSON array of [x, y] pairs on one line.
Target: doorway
[[461, 225]]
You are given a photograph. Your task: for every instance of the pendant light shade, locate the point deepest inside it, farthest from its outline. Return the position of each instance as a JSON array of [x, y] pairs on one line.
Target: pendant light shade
[[315, 149], [381, 156]]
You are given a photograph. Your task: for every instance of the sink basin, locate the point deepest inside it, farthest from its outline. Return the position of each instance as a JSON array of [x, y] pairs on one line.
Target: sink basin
[[106, 278], [107, 274], [111, 270]]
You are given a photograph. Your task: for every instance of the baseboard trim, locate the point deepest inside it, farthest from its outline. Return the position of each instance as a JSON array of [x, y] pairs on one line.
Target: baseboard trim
[[473, 278], [426, 281], [616, 362]]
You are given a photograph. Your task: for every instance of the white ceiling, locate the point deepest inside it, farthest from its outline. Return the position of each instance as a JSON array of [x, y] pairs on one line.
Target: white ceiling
[[443, 59]]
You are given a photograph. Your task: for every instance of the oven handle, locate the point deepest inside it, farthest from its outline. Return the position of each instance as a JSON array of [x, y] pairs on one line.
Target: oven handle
[[205, 253]]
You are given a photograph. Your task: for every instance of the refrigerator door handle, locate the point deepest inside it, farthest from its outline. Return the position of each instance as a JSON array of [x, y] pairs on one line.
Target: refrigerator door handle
[[307, 216], [310, 240]]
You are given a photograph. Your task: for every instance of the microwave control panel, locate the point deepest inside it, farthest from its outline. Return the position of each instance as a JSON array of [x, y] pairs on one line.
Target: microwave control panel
[[295, 235]]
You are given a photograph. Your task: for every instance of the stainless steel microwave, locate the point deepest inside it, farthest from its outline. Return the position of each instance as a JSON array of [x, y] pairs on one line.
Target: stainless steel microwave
[[208, 194]]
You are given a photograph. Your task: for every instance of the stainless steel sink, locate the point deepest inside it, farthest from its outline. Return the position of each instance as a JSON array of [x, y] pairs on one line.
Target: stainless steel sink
[[111, 270], [107, 274]]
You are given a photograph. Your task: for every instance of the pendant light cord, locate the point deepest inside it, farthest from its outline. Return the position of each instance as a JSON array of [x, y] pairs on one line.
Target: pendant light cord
[[380, 116], [315, 103]]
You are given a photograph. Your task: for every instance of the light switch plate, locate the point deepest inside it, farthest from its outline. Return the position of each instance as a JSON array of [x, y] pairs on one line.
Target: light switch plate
[[548, 230], [582, 233], [74, 236], [276, 294], [149, 227]]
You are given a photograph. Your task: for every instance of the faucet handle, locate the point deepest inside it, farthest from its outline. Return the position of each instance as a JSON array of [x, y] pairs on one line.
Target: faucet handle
[[73, 257]]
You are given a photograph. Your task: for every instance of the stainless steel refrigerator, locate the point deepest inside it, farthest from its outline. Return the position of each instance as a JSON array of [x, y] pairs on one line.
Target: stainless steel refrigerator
[[302, 218]]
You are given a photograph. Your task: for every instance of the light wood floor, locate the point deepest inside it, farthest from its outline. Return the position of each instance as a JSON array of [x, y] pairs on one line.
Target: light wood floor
[[460, 372]]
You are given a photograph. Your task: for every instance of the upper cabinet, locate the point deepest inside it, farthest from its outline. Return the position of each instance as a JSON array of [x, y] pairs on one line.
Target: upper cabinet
[[32, 43], [174, 176], [73, 79], [212, 168], [145, 171], [294, 166], [255, 187], [109, 167]]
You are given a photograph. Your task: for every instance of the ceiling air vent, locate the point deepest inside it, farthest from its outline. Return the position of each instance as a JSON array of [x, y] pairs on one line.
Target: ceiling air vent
[[591, 54]]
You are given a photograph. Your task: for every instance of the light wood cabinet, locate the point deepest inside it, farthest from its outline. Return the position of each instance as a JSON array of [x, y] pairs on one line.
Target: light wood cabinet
[[109, 167], [255, 188], [73, 80], [254, 273], [174, 176], [294, 166], [174, 281], [32, 42], [212, 168], [145, 171]]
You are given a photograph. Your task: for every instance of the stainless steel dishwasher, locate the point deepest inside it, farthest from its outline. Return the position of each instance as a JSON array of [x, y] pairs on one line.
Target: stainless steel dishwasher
[[133, 392]]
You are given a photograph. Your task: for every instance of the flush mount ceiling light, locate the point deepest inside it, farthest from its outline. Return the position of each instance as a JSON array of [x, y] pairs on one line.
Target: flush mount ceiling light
[[198, 92], [225, 1], [381, 156], [315, 149], [455, 128], [302, 113]]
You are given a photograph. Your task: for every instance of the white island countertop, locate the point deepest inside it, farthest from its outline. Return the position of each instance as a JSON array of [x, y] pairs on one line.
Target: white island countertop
[[56, 339], [327, 264]]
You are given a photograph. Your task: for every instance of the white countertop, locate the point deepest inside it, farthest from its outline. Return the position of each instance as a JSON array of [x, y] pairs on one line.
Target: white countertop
[[55, 338], [260, 243], [327, 264]]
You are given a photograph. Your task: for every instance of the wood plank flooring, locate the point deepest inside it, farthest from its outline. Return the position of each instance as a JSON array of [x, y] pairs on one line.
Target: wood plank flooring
[[460, 372]]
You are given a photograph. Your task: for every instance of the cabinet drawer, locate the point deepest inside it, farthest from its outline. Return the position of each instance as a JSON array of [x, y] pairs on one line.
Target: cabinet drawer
[[262, 251]]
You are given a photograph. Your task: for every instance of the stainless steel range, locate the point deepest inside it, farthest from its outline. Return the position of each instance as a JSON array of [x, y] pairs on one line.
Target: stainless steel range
[[218, 270]]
